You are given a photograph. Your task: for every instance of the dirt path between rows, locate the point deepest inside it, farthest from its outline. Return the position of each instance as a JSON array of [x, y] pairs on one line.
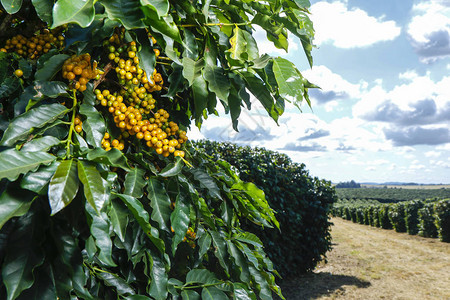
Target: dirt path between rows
[[373, 263]]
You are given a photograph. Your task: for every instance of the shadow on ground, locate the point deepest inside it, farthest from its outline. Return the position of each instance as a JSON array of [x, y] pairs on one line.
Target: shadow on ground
[[315, 285]]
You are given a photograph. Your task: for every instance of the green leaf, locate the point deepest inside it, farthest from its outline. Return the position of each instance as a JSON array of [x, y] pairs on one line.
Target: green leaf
[[250, 238], [93, 126], [172, 169], [134, 183], [141, 215], [63, 186], [191, 47], [164, 25], [38, 181], [220, 249], [289, 80], [158, 285], [118, 283], [161, 6], [137, 297], [234, 103], [261, 92], [113, 157], [206, 182], [190, 295], [12, 6], [242, 292], [14, 203], [41, 144], [51, 67], [201, 276], [128, 12], [176, 80], [146, 55], [43, 286], [218, 82], [24, 124], [213, 293], [9, 86], [192, 69], [240, 261], [264, 289], [261, 62], [94, 190], [44, 9], [160, 203], [22, 256], [99, 226], [180, 220], [238, 45], [200, 94], [119, 218], [13, 162], [204, 242], [81, 12]]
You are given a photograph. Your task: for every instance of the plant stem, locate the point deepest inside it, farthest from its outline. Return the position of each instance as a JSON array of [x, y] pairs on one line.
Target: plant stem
[[72, 125], [217, 24]]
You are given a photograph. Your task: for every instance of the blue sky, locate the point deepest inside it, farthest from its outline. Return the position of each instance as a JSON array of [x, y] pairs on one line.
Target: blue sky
[[383, 111]]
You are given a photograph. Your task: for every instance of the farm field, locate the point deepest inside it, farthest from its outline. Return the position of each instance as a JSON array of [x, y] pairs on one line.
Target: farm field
[[389, 195], [373, 263]]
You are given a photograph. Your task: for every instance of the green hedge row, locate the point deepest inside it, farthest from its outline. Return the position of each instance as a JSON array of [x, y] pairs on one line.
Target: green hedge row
[[428, 219], [302, 204]]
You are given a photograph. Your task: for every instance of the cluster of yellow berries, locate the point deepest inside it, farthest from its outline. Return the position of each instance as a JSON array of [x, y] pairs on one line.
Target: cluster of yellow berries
[[34, 46], [78, 124], [190, 237], [128, 70], [160, 134], [79, 71], [107, 144]]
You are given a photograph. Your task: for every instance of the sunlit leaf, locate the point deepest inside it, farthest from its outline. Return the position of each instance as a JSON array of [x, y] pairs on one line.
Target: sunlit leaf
[[13, 162], [81, 12], [24, 124], [63, 186], [160, 203], [12, 6], [134, 183], [94, 190]]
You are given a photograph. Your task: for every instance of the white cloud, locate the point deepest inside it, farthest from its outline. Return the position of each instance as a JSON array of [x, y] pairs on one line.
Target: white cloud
[[418, 102], [333, 87], [432, 154], [429, 30], [348, 28]]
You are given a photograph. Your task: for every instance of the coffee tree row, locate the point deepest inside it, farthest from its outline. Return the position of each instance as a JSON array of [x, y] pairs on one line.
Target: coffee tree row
[[101, 194], [302, 204], [428, 218]]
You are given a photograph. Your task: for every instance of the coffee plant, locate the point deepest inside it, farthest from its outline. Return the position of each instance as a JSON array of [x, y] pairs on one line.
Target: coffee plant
[[101, 194], [427, 218], [302, 204]]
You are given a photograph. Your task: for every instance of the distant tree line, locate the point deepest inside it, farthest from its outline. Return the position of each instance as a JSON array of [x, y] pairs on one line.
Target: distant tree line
[[348, 184]]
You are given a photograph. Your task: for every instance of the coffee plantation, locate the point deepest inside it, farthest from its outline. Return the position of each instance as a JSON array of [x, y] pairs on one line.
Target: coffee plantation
[[302, 204], [102, 195]]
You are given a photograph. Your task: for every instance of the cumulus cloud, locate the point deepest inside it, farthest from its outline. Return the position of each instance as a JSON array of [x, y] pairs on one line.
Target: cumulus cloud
[[429, 30], [304, 147], [409, 108], [417, 136], [346, 27], [332, 86]]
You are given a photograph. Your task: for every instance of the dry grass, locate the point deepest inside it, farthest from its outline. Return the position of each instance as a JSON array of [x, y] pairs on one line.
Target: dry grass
[[373, 263]]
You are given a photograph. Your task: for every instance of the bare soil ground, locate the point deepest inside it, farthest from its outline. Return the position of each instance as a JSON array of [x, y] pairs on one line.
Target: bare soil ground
[[373, 263]]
